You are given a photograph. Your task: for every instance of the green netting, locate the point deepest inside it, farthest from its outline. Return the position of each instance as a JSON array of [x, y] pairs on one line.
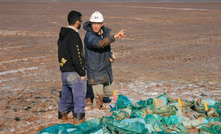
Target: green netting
[[165, 110], [173, 119], [139, 113], [212, 127], [120, 114], [127, 126], [122, 102], [154, 123], [179, 110], [59, 128], [161, 115], [212, 113], [200, 107], [85, 127]]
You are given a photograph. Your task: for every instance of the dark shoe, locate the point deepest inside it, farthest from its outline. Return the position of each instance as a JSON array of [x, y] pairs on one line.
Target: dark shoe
[[79, 118], [62, 116], [106, 100]]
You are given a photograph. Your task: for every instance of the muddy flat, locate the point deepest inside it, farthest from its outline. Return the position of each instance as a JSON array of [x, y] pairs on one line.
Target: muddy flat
[[171, 47]]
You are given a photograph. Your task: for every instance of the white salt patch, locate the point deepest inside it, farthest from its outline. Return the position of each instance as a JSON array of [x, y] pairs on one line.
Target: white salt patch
[[7, 79], [22, 59], [12, 61], [19, 70], [153, 84], [138, 19], [152, 93]]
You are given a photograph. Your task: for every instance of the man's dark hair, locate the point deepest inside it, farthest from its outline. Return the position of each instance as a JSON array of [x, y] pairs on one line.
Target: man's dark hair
[[73, 16]]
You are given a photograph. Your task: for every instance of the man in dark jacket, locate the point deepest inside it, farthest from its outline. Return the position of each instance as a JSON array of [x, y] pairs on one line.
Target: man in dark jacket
[[72, 67], [98, 57]]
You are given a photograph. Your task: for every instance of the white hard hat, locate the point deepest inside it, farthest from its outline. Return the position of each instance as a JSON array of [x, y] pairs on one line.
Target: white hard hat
[[96, 17]]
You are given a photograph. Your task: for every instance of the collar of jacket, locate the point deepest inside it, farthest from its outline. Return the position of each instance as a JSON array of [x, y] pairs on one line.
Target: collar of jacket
[[75, 29], [102, 33]]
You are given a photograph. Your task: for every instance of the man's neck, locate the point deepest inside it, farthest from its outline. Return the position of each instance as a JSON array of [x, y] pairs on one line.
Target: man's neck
[[74, 28]]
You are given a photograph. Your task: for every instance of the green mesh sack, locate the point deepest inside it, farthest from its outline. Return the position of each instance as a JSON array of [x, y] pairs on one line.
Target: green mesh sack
[[184, 102], [199, 105], [212, 127], [211, 112], [153, 117], [179, 110], [138, 105], [127, 126], [213, 104], [195, 123], [89, 125], [134, 107], [122, 102], [163, 96], [165, 110], [168, 99], [101, 130], [129, 111], [142, 103], [218, 106], [120, 114], [178, 128], [210, 119], [210, 102], [149, 102], [159, 102], [173, 119], [146, 131], [85, 127], [163, 132], [105, 120], [139, 113], [153, 122], [59, 128], [218, 109]]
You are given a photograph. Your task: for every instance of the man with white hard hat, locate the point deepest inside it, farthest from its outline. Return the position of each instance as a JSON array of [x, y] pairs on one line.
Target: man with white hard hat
[[98, 58]]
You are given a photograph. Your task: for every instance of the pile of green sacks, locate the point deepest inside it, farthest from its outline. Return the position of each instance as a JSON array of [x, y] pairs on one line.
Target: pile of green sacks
[[161, 115]]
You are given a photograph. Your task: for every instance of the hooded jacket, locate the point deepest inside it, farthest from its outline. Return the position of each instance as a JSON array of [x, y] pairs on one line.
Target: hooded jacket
[[97, 55], [70, 51]]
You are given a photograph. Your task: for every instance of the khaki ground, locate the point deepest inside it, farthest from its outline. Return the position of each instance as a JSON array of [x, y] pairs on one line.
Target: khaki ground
[[171, 47]]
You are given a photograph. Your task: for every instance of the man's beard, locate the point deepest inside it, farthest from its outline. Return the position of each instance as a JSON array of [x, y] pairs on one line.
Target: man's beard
[[79, 26]]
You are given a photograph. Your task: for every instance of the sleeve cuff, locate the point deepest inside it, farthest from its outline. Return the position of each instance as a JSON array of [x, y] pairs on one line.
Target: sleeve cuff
[[111, 38]]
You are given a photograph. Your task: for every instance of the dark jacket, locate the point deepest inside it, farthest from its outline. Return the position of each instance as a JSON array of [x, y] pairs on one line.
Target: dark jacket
[[70, 51], [97, 55]]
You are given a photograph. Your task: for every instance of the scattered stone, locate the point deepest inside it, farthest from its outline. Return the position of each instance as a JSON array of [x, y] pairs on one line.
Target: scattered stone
[[27, 108], [17, 118]]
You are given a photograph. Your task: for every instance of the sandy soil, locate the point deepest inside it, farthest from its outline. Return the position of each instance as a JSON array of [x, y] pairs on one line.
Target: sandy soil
[[171, 47]]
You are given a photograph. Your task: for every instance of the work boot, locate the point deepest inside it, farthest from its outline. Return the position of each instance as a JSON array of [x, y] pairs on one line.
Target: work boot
[[79, 118], [62, 116], [88, 101], [106, 100]]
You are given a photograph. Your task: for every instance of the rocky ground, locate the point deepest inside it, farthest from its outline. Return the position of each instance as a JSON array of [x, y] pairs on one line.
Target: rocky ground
[[171, 47]]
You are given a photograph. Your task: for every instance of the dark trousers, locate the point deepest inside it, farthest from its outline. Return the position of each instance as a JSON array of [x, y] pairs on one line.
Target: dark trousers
[[73, 93]]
